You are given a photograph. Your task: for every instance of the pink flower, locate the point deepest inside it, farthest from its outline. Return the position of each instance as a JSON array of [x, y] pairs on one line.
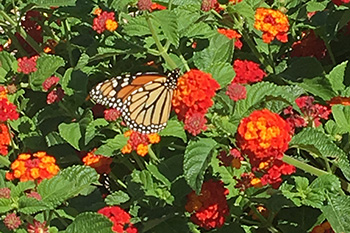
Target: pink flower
[[50, 82], [27, 65], [236, 91]]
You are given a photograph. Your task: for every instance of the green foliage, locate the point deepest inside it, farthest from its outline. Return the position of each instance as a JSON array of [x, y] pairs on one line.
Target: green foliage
[[90, 222]]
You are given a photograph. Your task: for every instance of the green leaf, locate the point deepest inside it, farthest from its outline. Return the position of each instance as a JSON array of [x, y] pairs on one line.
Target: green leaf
[[336, 76], [341, 115], [21, 187], [156, 174], [303, 67], [5, 205], [93, 128], [168, 21], [337, 212], [220, 49], [48, 3], [137, 26], [53, 139], [71, 133], [6, 61], [28, 205], [111, 145], [90, 222], [117, 198], [196, 160], [174, 129], [318, 86], [46, 66], [221, 72], [82, 62], [313, 6], [243, 9]]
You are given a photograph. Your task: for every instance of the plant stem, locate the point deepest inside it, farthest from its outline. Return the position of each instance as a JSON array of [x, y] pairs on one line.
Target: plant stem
[[160, 47], [69, 46], [330, 52], [152, 155], [303, 166], [138, 161]]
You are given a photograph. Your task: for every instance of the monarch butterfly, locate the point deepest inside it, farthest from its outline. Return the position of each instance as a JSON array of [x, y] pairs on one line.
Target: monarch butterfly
[[144, 99]]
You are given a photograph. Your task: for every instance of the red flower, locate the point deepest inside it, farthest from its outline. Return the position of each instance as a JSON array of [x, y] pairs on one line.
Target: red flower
[[275, 171], [195, 123], [50, 82], [7, 110], [12, 221], [209, 208], [247, 72], [323, 228], [139, 142], [247, 180], [5, 139], [37, 227], [207, 5], [309, 46], [156, 6], [55, 95], [273, 24], [104, 21], [120, 219], [5, 193], [144, 5], [232, 34], [27, 65], [340, 2], [339, 100], [99, 162], [194, 93], [111, 114], [236, 91]]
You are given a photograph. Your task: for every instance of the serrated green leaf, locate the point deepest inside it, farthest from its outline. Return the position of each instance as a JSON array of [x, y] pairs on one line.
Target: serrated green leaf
[[137, 26], [156, 174], [336, 76], [82, 62], [337, 212], [221, 72], [196, 160], [111, 145], [28, 205], [93, 127], [46, 66], [71, 133], [341, 115], [318, 86], [168, 22], [53, 138], [5, 205], [6, 61], [174, 129], [90, 222], [21, 187], [117, 198], [220, 49]]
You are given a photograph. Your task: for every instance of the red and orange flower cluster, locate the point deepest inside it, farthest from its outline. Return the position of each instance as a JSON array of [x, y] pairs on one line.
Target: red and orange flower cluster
[[120, 219], [7, 112], [104, 21], [139, 142], [99, 162], [323, 228], [209, 208], [35, 167], [273, 24], [232, 34], [264, 137], [193, 98]]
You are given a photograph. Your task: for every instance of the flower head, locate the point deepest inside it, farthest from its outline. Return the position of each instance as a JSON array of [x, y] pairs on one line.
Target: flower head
[[104, 21], [273, 24], [27, 65], [340, 2], [232, 34], [194, 93], [144, 5], [263, 134], [209, 208], [139, 142], [247, 72], [236, 91], [5, 139], [120, 219], [99, 162], [50, 82], [111, 114], [156, 6], [5, 193], [36, 167], [37, 227], [12, 221], [7, 110], [207, 5], [323, 228], [339, 100], [195, 123], [56, 95]]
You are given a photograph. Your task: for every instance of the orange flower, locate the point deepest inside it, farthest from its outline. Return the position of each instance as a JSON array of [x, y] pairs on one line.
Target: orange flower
[[36, 167], [232, 34], [99, 162], [5, 139], [273, 24], [323, 228], [139, 142], [339, 100]]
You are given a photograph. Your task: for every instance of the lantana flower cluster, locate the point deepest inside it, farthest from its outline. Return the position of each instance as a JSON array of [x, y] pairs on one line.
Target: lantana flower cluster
[[273, 23], [232, 34], [35, 167], [264, 137], [27, 65], [139, 142], [120, 219], [102, 164], [104, 21], [209, 208], [193, 98], [56, 93]]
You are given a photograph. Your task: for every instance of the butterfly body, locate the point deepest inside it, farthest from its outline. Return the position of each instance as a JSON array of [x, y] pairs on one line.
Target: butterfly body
[[144, 99]]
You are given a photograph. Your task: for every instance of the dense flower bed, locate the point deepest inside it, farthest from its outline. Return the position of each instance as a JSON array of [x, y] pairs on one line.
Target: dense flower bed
[[174, 116]]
